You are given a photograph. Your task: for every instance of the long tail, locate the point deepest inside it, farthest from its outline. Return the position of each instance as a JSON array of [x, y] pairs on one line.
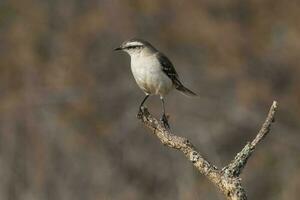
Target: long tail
[[186, 91]]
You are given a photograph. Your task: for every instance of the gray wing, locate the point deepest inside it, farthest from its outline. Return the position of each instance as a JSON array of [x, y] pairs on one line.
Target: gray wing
[[169, 69]]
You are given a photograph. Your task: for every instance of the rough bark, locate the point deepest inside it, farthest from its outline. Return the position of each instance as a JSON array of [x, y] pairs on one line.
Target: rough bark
[[227, 179]]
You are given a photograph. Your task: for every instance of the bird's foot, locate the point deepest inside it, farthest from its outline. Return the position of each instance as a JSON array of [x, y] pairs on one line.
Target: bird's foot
[[140, 113], [164, 120]]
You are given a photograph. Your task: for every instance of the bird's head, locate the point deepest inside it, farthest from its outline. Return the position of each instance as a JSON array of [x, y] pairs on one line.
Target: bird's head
[[136, 47]]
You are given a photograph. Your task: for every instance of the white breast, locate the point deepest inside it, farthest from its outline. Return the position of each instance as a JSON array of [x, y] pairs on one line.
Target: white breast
[[149, 75]]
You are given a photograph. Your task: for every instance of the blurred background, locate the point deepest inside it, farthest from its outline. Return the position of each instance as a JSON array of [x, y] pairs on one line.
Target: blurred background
[[68, 103]]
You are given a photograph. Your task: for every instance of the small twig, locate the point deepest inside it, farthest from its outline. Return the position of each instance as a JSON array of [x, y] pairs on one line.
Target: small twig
[[265, 129], [227, 179]]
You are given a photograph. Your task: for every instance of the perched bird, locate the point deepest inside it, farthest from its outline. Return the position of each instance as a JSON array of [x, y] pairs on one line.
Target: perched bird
[[153, 72]]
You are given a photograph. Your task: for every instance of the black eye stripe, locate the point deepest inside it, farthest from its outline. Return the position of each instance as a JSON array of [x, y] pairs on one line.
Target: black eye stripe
[[134, 47]]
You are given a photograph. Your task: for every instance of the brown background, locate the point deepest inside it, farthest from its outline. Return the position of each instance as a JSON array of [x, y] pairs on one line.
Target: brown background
[[68, 102]]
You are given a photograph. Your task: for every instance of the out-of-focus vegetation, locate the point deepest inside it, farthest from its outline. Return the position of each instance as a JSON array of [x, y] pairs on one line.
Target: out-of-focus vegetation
[[68, 103]]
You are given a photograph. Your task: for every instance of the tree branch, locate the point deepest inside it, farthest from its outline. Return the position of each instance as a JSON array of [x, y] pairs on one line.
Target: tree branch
[[227, 180], [239, 162]]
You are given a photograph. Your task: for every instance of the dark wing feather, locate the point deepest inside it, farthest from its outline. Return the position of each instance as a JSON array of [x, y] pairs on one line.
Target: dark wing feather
[[169, 69]]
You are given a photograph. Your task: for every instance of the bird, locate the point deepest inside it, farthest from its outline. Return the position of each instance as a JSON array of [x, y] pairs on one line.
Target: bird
[[153, 72]]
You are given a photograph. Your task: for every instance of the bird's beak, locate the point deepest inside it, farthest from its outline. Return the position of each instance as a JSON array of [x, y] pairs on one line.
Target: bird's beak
[[118, 49]]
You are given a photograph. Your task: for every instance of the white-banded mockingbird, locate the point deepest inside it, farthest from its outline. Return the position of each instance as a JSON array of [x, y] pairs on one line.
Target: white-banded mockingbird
[[153, 72]]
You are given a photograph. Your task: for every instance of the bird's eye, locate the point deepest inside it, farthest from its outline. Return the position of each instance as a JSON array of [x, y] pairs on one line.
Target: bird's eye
[[134, 47]]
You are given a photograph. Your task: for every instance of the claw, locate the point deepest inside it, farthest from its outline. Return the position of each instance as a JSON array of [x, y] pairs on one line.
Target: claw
[[165, 122], [140, 113]]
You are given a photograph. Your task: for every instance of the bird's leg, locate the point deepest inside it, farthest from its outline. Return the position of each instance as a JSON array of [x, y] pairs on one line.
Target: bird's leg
[[164, 118], [140, 113]]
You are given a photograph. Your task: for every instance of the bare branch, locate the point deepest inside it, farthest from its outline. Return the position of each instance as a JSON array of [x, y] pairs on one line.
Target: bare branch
[[239, 162], [180, 143], [227, 179]]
